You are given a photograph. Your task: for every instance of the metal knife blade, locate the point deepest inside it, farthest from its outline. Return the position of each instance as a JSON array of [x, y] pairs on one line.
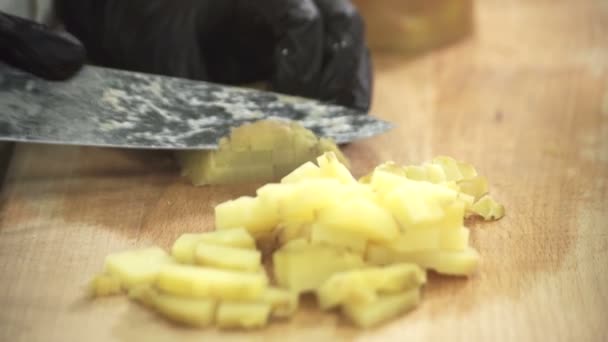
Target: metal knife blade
[[115, 108]]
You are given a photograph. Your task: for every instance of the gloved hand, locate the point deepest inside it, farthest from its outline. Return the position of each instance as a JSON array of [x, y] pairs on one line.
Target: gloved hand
[[310, 48]]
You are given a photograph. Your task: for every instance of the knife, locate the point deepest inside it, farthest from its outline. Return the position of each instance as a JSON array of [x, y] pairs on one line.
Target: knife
[[116, 108]]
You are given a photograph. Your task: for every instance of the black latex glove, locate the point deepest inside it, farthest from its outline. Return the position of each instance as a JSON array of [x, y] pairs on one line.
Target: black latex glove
[[311, 48]]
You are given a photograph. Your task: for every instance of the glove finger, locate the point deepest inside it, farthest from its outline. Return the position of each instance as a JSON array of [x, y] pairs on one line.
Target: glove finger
[[298, 53], [347, 72]]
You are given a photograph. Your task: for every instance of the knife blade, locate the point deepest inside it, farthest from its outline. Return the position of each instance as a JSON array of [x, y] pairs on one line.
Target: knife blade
[[116, 108]]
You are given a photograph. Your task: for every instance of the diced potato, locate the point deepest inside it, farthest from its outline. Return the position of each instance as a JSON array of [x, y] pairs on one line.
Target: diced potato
[[488, 208], [183, 248], [105, 285], [411, 213], [434, 173], [231, 258], [384, 182], [466, 170], [454, 239], [246, 212], [362, 217], [453, 217], [416, 172], [246, 315], [306, 267], [306, 199], [476, 186], [284, 303], [338, 238], [387, 306], [203, 282], [364, 286], [195, 312], [332, 168], [308, 170], [450, 167], [137, 266], [412, 240], [458, 263]]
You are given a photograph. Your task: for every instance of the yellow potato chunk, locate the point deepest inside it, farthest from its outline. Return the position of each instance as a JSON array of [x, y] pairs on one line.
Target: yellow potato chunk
[[450, 167], [454, 239], [369, 314], [105, 285], [362, 217], [246, 315], [197, 312], [457, 263], [364, 286], [246, 212], [488, 208], [204, 282], [476, 186], [231, 258], [305, 200], [435, 173], [136, 267], [292, 265], [320, 234], [413, 240], [331, 167], [284, 303], [294, 231], [306, 171], [183, 248]]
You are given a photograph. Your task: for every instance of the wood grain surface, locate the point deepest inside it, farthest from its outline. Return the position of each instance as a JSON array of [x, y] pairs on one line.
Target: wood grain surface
[[525, 100]]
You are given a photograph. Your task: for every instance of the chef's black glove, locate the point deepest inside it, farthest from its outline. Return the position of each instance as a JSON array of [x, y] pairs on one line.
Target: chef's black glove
[[36, 48], [311, 48]]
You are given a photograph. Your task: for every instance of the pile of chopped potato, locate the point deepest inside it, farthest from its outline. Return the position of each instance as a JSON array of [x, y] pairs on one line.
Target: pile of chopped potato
[[362, 247]]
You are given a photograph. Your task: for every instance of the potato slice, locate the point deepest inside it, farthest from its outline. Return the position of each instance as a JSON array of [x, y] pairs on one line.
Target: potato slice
[[183, 248], [195, 312], [204, 282], [105, 285], [364, 286], [284, 303], [246, 212], [488, 208], [320, 234], [231, 258], [362, 217], [369, 314], [305, 267], [247, 315], [137, 266]]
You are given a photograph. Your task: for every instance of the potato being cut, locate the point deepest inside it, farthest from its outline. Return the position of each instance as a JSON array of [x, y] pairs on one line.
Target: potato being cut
[[183, 248], [248, 315], [230, 258], [262, 151], [306, 267], [136, 267], [205, 282], [369, 314], [364, 286]]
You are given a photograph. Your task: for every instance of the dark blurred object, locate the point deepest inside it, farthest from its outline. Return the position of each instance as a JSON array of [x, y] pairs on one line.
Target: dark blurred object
[[414, 26], [37, 49], [310, 48]]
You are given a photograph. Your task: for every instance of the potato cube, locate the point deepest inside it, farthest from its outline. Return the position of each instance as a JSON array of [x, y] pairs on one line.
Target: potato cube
[[137, 266], [203, 282], [105, 285], [246, 315], [306, 171], [417, 240], [363, 286], [306, 267], [434, 173], [231, 258], [294, 231], [450, 168], [416, 172], [476, 186], [320, 234], [332, 168], [183, 248], [488, 208], [247, 212], [454, 239], [369, 314], [308, 197], [384, 182], [284, 303], [467, 170], [362, 217]]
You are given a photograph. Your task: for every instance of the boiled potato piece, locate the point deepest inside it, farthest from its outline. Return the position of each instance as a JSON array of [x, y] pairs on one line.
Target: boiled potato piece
[[247, 315], [294, 231], [413, 240], [195, 312], [105, 285], [362, 217], [307, 171], [331, 167], [284, 303], [246, 212], [205, 282], [369, 314], [457, 263], [488, 208], [454, 239], [231, 258], [136, 267], [450, 167], [305, 267], [320, 234], [306, 199], [364, 286], [183, 248], [476, 186]]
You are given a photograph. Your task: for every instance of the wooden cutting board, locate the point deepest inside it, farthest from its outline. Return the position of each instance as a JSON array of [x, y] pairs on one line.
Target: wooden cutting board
[[525, 100]]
